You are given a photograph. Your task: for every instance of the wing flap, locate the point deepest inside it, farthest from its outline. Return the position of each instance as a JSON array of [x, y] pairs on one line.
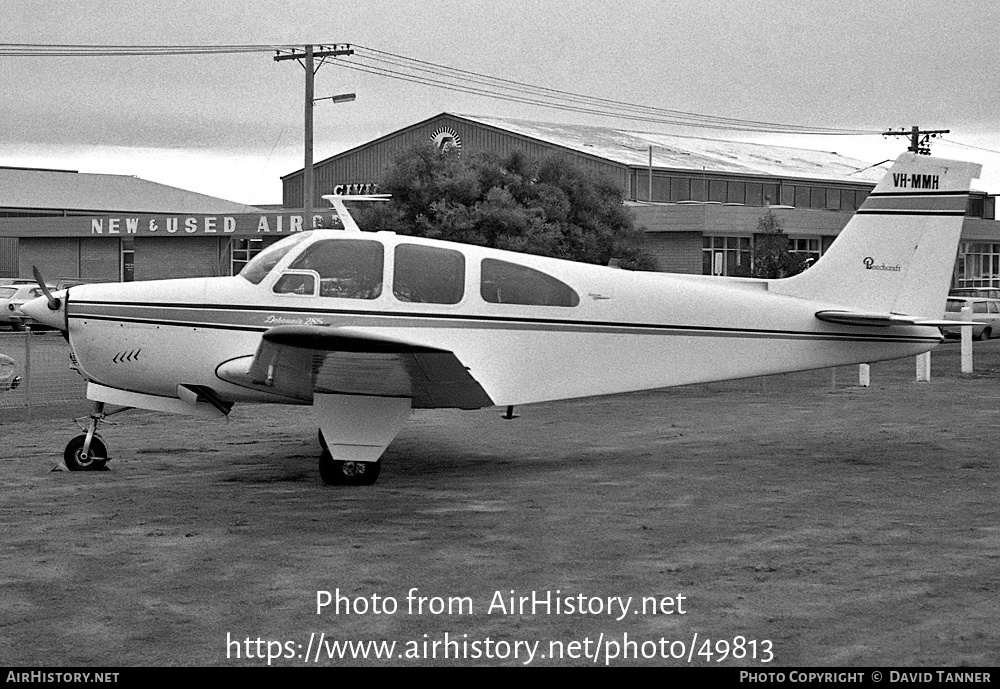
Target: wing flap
[[300, 360]]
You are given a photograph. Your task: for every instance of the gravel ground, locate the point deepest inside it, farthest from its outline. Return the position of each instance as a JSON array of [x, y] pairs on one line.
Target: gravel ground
[[822, 523]]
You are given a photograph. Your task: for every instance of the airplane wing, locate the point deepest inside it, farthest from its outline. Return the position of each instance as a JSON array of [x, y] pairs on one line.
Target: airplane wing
[[882, 320], [300, 360]]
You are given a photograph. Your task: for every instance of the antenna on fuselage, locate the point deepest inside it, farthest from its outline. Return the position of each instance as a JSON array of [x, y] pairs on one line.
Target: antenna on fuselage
[[345, 216]]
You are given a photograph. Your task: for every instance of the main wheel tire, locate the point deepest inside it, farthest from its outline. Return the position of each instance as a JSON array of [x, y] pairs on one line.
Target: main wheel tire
[[985, 335], [335, 472], [96, 459]]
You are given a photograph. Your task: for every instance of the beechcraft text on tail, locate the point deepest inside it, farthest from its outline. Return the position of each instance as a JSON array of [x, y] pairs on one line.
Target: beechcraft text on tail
[[365, 326]]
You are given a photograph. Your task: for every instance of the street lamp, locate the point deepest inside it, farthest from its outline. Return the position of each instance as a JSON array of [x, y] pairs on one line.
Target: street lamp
[[307, 176], [339, 98]]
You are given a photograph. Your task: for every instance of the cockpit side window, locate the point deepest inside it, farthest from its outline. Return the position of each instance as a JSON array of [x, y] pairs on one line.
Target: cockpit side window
[[428, 274], [503, 282], [296, 282], [261, 264], [347, 268]]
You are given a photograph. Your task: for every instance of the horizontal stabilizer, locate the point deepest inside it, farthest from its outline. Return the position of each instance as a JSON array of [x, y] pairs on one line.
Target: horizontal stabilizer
[[883, 320]]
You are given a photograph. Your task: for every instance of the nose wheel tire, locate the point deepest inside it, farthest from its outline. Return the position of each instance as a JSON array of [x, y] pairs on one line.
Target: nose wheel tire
[[95, 459], [340, 473]]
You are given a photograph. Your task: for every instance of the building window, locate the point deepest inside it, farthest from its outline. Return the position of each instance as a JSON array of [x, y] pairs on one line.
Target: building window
[[847, 200], [977, 207], [737, 192], [787, 195], [725, 256], [680, 189], [246, 249], [755, 191], [698, 191], [978, 264], [833, 199], [717, 191], [659, 191], [128, 260], [805, 248]]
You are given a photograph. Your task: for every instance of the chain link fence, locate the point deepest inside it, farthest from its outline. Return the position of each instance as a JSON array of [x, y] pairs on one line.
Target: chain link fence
[[35, 371]]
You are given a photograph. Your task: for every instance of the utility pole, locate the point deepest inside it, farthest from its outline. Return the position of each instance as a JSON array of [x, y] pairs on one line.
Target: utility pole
[[307, 58], [920, 139]]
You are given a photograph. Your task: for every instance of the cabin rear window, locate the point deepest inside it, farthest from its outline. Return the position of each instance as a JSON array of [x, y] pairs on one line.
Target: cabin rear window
[[509, 283], [428, 274], [347, 268]]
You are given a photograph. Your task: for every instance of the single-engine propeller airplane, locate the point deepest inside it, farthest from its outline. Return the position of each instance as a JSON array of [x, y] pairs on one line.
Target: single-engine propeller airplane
[[364, 326]]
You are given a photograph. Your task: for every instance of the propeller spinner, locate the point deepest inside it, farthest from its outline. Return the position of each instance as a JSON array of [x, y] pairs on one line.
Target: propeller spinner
[[49, 309]]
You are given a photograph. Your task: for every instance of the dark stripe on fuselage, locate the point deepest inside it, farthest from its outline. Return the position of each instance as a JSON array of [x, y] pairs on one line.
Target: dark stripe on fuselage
[[939, 214], [435, 320], [917, 193]]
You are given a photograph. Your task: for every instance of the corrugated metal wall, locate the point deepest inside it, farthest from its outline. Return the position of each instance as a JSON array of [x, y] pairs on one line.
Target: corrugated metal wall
[[367, 163], [158, 258], [8, 257]]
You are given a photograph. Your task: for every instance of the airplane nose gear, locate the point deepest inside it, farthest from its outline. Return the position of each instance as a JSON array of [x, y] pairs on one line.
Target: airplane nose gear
[[87, 452]]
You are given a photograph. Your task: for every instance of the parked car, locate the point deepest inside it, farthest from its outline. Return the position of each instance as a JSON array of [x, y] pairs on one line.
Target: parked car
[[985, 313], [11, 298], [8, 381]]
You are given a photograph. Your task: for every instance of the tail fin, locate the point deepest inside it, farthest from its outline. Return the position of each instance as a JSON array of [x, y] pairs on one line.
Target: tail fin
[[897, 254]]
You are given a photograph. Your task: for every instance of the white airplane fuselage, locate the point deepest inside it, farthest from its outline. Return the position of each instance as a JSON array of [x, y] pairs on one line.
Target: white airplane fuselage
[[364, 326], [630, 330]]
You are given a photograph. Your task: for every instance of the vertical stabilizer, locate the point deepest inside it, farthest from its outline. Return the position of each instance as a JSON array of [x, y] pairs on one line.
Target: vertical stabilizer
[[897, 254]]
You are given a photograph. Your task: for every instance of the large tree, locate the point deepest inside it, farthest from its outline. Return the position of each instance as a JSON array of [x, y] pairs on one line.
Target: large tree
[[550, 207]]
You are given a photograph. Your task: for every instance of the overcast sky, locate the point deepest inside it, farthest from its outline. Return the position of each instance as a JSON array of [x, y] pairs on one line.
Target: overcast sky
[[231, 125]]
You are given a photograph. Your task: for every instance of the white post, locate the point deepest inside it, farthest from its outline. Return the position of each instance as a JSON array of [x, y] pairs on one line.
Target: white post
[[924, 367], [966, 341], [864, 375]]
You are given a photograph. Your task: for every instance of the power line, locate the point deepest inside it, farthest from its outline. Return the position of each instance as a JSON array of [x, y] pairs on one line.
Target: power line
[[84, 50], [390, 65], [964, 145], [412, 69]]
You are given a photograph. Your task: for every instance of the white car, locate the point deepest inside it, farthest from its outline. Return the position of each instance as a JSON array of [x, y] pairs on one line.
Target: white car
[[985, 314], [11, 298], [8, 381]]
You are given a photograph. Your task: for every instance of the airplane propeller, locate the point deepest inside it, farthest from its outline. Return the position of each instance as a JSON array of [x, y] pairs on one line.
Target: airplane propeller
[[54, 302]]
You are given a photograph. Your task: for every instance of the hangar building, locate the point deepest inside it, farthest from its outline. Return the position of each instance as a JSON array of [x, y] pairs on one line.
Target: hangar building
[[699, 200], [98, 227]]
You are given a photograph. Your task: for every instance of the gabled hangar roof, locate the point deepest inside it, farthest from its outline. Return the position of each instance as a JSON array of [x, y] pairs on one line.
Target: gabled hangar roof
[[691, 153], [25, 188]]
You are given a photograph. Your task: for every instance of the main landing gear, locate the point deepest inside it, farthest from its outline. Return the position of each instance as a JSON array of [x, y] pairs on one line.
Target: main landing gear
[[354, 431], [87, 452], [335, 472]]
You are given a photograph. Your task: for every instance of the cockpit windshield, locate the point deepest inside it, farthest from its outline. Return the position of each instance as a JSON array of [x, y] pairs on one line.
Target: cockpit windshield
[[261, 264]]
